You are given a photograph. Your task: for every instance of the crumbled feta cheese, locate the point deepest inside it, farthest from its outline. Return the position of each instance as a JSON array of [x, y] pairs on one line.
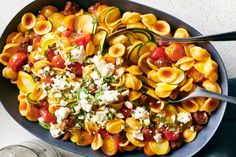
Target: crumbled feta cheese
[[57, 95], [60, 83], [125, 93], [41, 120], [77, 108], [61, 29], [62, 113], [55, 131], [70, 75], [94, 75], [99, 82], [120, 115], [109, 96], [85, 105], [157, 137], [76, 86], [100, 117], [146, 121], [119, 61], [173, 118], [78, 55], [43, 95], [140, 113], [138, 135], [184, 117], [29, 48], [40, 72], [83, 95], [57, 51], [106, 69], [128, 104], [27, 68]]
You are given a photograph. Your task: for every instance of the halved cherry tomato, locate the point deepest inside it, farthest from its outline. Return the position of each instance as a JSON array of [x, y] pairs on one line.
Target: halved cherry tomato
[[82, 40], [17, 60], [176, 52], [159, 52], [47, 116], [36, 41], [47, 79], [33, 114], [126, 111], [148, 134], [50, 54], [104, 133], [76, 68], [67, 33], [58, 62], [170, 136], [195, 74], [44, 104], [110, 145]]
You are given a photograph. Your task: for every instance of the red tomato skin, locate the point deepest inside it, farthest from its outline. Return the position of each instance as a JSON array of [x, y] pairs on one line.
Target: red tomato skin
[[159, 52], [50, 54], [170, 136], [126, 111], [148, 134], [58, 62], [104, 133], [47, 116], [177, 52], [76, 68], [82, 40], [46, 80], [67, 33], [17, 60], [196, 75]]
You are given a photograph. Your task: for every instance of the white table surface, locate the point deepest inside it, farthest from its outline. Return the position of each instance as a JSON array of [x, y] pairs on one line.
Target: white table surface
[[207, 16]]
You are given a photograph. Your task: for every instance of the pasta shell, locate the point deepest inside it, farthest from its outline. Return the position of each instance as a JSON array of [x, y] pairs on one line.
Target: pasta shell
[[166, 74], [153, 75], [166, 86], [160, 148], [28, 20], [21, 28], [4, 58], [136, 25], [112, 18], [69, 21], [151, 64], [90, 49], [158, 107], [97, 142], [188, 86], [133, 124], [134, 69], [161, 93], [181, 33], [117, 50], [189, 135], [161, 28], [11, 48], [134, 95], [130, 18], [199, 53], [148, 20], [211, 86], [120, 39], [10, 37], [56, 20], [90, 126], [41, 64], [18, 38], [42, 27], [190, 106], [24, 107], [210, 105], [25, 82], [115, 126], [134, 141], [185, 63]]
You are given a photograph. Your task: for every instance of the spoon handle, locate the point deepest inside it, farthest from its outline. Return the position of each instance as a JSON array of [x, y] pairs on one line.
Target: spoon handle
[[229, 36], [210, 94]]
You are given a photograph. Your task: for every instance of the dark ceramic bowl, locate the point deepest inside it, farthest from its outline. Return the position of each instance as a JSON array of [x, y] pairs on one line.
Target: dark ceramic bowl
[[9, 92]]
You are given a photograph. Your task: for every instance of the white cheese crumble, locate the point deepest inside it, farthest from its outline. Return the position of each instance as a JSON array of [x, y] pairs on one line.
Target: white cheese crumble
[[184, 117], [29, 48], [138, 135], [77, 108], [63, 103], [38, 57], [157, 137], [128, 104], [192, 128], [120, 115], [94, 75], [140, 113], [125, 93], [85, 105], [173, 118], [106, 69], [62, 113], [55, 131], [100, 117], [27, 68], [60, 83], [70, 75], [78, 54], [109, 96]]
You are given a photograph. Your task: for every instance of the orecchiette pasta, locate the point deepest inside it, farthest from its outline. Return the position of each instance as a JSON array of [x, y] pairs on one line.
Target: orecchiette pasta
[[112, 95]]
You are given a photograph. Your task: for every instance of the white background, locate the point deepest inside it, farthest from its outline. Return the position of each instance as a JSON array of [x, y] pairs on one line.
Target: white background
[[207, 16]]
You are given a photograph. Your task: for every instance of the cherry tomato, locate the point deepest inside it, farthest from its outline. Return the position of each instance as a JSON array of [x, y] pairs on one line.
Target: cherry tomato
[[176, 52], [163, 43], [17, 60], [44, 104], [67, 33], [104, 133], [126, 111], [76, 68], [47, 116], [82, 40], [50, 54], [148, 134], [170, 136], [33, 114], [196, 75], [58, 62], [159, 52], [46, 80]]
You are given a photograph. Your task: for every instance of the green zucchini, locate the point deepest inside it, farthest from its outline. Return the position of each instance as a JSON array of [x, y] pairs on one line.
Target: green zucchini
[[133, 55], [147, 34], [99, 40], [85, 23], [181, 75], [31, 100], [44, 125], [148, 46], [142, 36]]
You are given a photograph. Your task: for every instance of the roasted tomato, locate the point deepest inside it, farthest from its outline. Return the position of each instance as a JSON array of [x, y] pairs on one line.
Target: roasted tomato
[[195, 74], [47, 116], [159, 52], [76, 68], [170, 136], [82, 40], [58, 62], [17, 60], [126, 111], [175, 51]]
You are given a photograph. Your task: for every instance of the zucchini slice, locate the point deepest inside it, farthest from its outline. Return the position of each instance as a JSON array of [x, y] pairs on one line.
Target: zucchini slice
[[31, 100], [99, 40], [142, 36], [85, 23], [44, 125], [148, 35], [133, 54], [148, 46], [180, 75]]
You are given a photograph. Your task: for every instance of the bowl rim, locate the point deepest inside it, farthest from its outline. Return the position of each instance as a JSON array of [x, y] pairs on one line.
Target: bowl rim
[[55, 142]]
